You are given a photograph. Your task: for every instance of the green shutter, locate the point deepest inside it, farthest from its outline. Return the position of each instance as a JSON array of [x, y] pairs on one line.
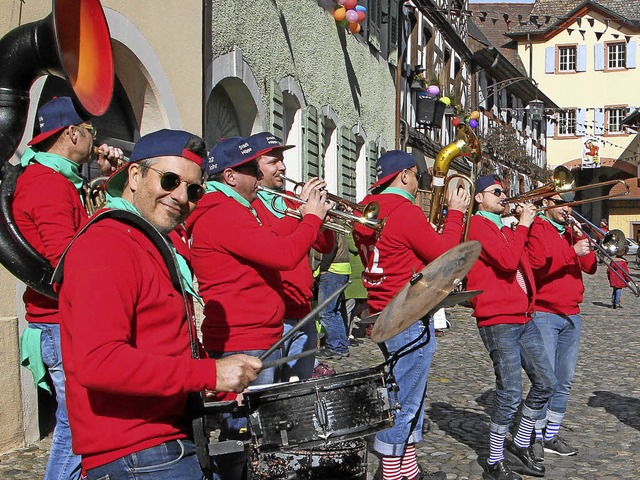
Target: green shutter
[[374, 21], [347, 164], [276, 108], [372, 157], [394, 29], [312, 144]]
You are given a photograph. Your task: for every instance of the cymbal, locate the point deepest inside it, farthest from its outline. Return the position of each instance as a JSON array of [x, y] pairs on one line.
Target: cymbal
[[425, 290], [455, 298]]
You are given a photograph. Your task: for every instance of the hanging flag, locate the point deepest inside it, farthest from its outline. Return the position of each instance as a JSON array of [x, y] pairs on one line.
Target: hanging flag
[[591, 21], [591, 152]]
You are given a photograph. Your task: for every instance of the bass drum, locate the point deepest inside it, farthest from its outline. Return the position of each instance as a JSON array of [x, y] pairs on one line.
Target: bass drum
[[319, 411], [341, 461]]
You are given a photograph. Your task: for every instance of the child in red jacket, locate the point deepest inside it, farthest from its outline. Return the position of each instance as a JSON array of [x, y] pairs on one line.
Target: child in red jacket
[[618, 274]]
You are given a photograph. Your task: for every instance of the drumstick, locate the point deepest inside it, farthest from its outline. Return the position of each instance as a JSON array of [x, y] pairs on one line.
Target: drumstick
[[303, 322], [282, 360]]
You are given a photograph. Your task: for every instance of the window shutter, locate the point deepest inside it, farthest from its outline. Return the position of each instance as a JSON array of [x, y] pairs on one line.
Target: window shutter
[[581, 63], [374, 20], [550, 60], [550, 127], [394, 28], [276, 108], [631, 54], [598, 117], [372, 158], [311, 139], [598, 60], [580, 119], [347, 164]]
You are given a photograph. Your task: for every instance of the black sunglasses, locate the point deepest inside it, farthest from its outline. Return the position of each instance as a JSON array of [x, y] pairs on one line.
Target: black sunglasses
[[169, 181], [496, 191], [558, 201]]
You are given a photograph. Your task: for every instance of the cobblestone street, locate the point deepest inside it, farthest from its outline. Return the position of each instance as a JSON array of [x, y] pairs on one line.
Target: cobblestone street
[[603, 419]]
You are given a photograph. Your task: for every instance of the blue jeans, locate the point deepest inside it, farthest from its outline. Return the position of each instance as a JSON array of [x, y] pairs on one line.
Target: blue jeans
[[512, 346], [411, 374], [331, 316], [231, 466], [561, 337], [173, 460], [304, 339], [616, 295], [63, 463]]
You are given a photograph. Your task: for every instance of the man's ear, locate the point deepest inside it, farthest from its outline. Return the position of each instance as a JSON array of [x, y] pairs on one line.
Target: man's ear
[[135, 175], [229, 176], [478, 197]]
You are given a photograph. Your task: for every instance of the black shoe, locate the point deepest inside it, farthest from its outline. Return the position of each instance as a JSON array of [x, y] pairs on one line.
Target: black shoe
[[613, 306], [424, 475], [558, 446], [619, 306], [522, 461], [499, 471], [537, 447], [328, 354]]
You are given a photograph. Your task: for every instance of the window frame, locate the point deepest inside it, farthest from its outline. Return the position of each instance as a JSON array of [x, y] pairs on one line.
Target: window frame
[[559, 49], [561, 114], [622, 57], [607, 120]]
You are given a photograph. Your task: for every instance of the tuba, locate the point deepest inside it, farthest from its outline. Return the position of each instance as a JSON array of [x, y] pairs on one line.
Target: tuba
[[465, 144], [73, 43]]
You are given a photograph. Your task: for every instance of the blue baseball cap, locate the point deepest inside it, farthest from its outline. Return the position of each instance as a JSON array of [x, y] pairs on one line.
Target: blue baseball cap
[[163, 143], [229, 153], [390, 164], [265, 142], [486, 181], [56, 115]]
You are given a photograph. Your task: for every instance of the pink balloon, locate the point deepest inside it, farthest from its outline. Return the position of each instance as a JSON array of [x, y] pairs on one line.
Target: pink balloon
[[352, 16], [361, 15], [341, 2], [350, 4]]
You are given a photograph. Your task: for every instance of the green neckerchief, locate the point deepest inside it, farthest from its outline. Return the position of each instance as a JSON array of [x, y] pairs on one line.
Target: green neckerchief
[[269, 198], [31, 356], [213, 186], [561, 228], [494, 217], [402, 193], [186, 277], [64, 166]]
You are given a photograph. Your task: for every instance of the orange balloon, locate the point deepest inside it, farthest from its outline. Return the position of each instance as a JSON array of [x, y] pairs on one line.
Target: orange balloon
[[339, 14], [355, 28], [474, 115]]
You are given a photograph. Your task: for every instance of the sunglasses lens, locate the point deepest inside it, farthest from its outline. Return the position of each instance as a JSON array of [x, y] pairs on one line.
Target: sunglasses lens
[[169, 181], [195, 192]]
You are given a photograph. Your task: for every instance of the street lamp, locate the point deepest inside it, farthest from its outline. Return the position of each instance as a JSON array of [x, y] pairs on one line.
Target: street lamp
[[535, 107]]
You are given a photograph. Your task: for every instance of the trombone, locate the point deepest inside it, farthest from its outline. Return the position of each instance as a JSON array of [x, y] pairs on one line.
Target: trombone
[[609, 244], [563, 183], [337, 220]]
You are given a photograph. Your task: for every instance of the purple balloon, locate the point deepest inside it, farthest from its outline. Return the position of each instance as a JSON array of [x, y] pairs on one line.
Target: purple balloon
[[341, 2], [473, 123], [360, 8], [352, 16]]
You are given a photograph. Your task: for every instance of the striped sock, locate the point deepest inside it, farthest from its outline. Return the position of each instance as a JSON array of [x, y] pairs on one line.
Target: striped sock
[[552, 431], [523, 437], [391, 468], [539, 435], [409, 466], [496, 447]]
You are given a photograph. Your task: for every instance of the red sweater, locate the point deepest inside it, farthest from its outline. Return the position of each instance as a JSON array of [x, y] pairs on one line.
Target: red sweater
[[407, 244], [125, 345], [502, 299], [237, 263], [557, 269], [48, 212], [297, 284], [621, 266]]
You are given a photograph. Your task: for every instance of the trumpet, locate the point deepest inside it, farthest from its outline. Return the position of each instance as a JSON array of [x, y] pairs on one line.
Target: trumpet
[[608, 244], [337, 220], [342, 203], [563, 183]]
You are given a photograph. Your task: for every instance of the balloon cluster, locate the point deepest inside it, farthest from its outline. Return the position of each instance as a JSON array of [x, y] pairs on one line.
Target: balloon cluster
[[471, 119], [349, 14], [434, 91]]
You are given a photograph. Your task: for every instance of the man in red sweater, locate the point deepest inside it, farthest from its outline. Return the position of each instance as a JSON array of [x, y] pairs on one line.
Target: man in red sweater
[[407, 244], [297, 283], [559, 255], [503, 313], [48, 211], [126, 332]]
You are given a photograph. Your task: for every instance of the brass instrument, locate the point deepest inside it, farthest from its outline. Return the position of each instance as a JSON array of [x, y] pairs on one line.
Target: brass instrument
[[73, 43], [94, 195], [337, 220], [608, 245], [342, 203], [563, 183], [466, 144]]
